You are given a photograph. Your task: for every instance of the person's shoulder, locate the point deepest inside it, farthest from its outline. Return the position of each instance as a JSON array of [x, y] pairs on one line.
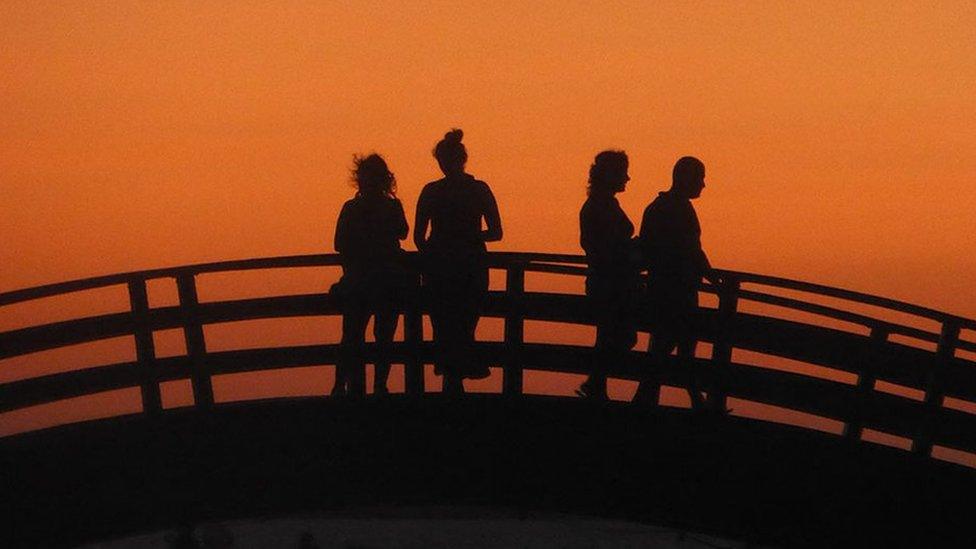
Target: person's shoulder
[[432, 188], [661, 201], [479, 186]]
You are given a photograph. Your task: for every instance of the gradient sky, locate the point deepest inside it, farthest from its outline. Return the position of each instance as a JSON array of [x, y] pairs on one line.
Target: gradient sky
[[839, 138]]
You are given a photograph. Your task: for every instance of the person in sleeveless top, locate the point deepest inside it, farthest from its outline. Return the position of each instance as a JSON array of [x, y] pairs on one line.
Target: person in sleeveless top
[[612, 276], [461, 215], [367, 238]]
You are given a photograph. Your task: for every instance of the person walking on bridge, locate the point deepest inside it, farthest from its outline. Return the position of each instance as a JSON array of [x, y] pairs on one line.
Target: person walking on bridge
[[670, 242], [611, 275]]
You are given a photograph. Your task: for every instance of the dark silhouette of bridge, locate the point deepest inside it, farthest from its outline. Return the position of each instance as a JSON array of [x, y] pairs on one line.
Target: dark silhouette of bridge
[[756, 480]]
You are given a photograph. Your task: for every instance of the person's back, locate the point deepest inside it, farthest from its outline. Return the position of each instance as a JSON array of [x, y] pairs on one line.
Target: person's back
[[456, 206], [670, 239], [368, 235]]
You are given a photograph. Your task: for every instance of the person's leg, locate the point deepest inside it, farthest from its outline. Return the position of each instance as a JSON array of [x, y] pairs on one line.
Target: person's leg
[[384, 325], [595, 386], [350, 364], [686, 360], [453, 330], [658, 349]]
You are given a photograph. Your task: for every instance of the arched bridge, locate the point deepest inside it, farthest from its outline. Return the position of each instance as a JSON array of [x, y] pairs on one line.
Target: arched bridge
[[848, 411]]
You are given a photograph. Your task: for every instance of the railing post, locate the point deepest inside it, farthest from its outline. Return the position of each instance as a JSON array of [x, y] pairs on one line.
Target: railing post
[[152, 403], [514, 328], [413, 338], [865, 385], [728, 302], [948, 339], [196, 348]]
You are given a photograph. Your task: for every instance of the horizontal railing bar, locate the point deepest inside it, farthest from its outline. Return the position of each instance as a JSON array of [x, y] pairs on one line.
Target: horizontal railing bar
[[555, 269], [817, 396], [496, 259], [838, 314], [65, 385], [68, 332], [50, 290], [849, 295]]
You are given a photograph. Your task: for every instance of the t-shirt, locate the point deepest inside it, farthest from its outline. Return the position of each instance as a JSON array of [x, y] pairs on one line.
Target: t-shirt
[[670, 241]]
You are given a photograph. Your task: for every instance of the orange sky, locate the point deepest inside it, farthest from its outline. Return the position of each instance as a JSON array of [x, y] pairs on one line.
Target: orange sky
[[839, 139]]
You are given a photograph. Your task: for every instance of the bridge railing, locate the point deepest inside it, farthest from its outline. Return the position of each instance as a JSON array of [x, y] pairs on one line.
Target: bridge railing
[[934, 406]]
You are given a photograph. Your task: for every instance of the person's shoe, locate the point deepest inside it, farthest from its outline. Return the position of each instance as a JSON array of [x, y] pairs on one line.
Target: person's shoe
[[590, 391]]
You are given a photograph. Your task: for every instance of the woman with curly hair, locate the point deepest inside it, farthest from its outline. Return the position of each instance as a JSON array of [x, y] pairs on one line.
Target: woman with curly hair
[[367, 237], [612, 275]]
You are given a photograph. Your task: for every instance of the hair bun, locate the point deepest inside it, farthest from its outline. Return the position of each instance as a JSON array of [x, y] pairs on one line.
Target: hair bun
[[454, 135]]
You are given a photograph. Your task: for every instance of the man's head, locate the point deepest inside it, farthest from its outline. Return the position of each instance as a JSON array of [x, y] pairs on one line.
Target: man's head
[[688, 177]]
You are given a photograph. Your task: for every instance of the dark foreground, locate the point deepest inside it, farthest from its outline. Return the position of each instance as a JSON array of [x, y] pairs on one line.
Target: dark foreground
[[735, 478]]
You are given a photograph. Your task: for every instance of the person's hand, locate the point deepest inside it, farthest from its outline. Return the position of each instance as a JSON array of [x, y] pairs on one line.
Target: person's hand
[[713, 278]]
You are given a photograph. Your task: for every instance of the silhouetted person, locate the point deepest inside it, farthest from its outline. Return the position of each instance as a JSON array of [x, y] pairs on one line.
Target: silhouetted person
[[612, 276], [454, 258], [670, 241], [367, 237]]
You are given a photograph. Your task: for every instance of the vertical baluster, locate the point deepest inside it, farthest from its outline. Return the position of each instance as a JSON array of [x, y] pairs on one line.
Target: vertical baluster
[[944, 354], [413, 337], [728, 302], [514, 328], [152, 403], [865, 384], [196, 348]]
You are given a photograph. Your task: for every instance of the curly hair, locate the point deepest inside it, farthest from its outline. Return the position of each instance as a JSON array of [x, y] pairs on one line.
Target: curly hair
[[605, 171], [371, 175]]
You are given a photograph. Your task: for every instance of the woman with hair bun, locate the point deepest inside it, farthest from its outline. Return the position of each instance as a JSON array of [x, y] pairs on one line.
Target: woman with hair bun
[[612, 276], [367, 237], [454, 255]]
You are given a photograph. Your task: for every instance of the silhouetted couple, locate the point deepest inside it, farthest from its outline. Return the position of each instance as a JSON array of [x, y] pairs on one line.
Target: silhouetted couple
[[668, 246], [454, 268]]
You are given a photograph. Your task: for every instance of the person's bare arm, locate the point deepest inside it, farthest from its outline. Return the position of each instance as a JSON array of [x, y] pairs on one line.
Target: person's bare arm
[[403, 229], [493, 220], [341, 237], [421, 222], [709, 273]]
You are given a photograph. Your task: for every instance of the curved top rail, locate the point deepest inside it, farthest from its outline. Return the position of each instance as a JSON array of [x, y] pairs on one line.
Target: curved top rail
[[48, 290], [850, 295], [496, 259]]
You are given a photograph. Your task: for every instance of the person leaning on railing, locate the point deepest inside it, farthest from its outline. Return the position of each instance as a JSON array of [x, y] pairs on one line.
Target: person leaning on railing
[[454, 259], [374, 277]]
